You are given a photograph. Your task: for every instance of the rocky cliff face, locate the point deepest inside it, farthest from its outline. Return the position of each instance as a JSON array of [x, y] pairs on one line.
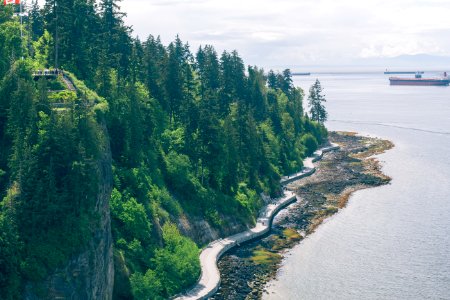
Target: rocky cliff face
[[89, 275], [202, 232]]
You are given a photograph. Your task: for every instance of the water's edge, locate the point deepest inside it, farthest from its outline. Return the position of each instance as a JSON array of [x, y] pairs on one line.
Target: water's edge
[[243, 276]]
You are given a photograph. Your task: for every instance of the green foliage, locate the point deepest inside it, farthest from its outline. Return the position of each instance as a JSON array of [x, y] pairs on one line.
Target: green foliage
[[203, 141], [41, 49], [315, 101], [248, 198], [10, 247], [131, 216], [316, 129], [63, 96], [56, 178], [55, 85], [50, 162], [173, 139], [83, 91], [147, 286], [189, 134], [178, 170], [163, 197], [177, 264], [176, 267], [10, 45], [310, 143]]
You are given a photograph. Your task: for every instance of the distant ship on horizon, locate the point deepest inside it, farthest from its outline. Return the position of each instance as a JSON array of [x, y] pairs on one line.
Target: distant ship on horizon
[[300, 74], [402, 72], [418, 80]]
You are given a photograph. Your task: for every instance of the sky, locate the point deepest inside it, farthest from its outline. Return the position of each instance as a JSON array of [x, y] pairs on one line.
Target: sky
[[299, 32]]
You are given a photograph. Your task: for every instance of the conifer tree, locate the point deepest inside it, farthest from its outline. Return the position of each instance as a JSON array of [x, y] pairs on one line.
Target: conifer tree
[[115, 36], [36, 21], [317, 110], [199, 136], [272, 80], [285, 82], [155, 60]]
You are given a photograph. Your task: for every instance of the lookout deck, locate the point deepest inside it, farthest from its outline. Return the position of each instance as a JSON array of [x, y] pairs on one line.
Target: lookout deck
[[47, 73], [53, 74]]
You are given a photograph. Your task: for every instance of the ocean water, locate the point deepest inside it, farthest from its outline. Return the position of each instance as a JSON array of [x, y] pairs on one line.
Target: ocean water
[[390, 242]]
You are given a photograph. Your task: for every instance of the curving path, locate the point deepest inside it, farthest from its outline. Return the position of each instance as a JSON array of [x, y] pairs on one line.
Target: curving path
[[210, 276]]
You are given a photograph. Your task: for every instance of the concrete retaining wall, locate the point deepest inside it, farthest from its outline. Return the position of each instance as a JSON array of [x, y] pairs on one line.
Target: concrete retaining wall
[[209, 280]]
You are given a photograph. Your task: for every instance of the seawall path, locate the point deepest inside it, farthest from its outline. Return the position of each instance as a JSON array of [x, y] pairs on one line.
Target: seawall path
[[209, 280]]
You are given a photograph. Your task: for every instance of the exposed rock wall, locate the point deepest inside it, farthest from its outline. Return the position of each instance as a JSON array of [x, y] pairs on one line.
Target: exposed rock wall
[[89, 275], [199, 230], [202, 232]]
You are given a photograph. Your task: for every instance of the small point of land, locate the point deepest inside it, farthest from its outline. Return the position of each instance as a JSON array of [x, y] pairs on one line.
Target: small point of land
[[246, 270]]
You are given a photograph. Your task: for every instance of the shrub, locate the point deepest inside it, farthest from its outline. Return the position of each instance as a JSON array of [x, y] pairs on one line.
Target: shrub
[[310, 143], [146, 286], [178, 263]]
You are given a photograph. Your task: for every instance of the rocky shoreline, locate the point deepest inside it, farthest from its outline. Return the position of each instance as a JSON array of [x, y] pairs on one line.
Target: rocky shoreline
[[246, 269]]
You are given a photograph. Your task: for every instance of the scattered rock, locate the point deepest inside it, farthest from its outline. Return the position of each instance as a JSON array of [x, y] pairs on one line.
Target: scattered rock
[[338, 175]]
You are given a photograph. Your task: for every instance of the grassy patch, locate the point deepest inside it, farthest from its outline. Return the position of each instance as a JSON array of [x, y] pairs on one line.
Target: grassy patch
[[286, 240], [347, 133], [262, 256], [330, 210], [292, 234]]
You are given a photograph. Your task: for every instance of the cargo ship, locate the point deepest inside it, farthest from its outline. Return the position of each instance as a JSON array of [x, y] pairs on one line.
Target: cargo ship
[[401, 72], [418, 80], [301, 74]]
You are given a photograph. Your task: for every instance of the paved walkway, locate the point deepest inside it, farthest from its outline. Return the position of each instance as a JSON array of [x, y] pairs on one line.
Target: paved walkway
[[210, 276], [308, 165]]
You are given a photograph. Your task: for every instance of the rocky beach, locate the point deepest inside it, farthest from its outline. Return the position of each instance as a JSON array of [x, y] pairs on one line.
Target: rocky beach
[[246, 269]]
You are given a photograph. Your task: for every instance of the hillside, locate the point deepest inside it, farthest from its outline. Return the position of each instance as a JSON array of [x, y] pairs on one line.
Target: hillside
[[113, 175]]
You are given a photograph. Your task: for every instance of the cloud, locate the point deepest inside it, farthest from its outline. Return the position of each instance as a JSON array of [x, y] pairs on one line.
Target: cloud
[[283, 32], [392, 46]]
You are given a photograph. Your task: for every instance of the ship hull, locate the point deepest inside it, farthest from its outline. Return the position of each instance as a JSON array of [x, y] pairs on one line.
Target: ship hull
[[420, 81], [402, 72]]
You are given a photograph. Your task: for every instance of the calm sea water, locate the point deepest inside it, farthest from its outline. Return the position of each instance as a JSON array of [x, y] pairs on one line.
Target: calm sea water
[[390, 242]]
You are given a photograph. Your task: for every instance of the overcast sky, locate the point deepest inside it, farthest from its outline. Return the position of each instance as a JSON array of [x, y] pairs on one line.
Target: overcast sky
[[299, 32]]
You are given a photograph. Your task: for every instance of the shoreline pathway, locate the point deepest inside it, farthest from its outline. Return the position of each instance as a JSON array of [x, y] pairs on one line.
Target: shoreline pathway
[[209, 280]]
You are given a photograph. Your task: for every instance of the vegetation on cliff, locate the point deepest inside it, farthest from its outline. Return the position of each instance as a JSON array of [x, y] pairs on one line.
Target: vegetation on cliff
[[191, 134]]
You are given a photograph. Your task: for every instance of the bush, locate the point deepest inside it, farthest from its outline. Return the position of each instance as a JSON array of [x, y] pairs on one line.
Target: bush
[[63, 96], [310, 143], [178, 169], [316, 129], [248, 198], [56, 85], [167, 201], [146, 286], [131, 216], [178, 263]]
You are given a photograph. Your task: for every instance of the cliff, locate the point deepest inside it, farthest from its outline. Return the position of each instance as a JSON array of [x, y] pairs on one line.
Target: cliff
[[202, 232], [90, 274]]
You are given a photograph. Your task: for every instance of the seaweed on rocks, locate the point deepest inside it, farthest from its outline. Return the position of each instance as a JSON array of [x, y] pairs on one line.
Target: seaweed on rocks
[[246, 269]]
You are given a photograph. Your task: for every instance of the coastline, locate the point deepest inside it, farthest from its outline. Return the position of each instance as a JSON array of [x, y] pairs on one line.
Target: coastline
[[210, 277], [246, 270]]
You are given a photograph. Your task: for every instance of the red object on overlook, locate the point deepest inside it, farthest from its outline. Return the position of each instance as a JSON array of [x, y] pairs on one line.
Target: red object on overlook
[[6, 2]]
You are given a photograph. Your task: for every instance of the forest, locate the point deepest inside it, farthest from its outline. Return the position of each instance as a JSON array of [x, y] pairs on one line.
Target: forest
[[191, 133]]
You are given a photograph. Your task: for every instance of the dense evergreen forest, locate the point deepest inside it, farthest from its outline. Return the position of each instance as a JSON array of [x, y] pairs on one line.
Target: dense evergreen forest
[[191, 134]]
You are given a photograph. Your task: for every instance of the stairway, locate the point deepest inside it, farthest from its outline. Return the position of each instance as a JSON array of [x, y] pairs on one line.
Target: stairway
[[68, 83]]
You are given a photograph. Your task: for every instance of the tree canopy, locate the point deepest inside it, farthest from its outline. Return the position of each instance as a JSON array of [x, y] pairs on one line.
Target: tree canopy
[[192, 135], [315, 100]]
